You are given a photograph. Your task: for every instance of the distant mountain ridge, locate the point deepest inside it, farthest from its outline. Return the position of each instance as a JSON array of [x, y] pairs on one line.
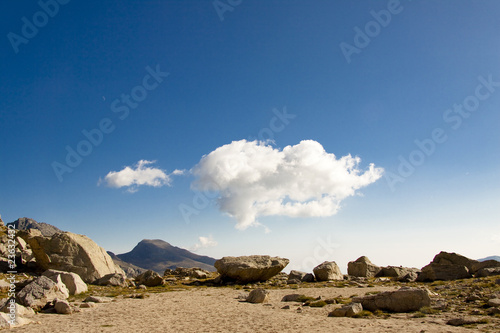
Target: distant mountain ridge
[[25, 223], [497, 258], [158, 255], [130, 269]]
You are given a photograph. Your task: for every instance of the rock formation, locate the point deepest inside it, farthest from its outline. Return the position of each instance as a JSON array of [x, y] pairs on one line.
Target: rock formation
[[328, 271], [362, 267], [70, 252], [248, 269], [402, 300]]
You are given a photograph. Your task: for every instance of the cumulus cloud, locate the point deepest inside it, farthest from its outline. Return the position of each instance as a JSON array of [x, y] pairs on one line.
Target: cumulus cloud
[[138, 175], [254, 179], [204, 242]]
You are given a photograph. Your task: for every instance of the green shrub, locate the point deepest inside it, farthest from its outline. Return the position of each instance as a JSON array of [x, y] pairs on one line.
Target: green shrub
[[318, 304]]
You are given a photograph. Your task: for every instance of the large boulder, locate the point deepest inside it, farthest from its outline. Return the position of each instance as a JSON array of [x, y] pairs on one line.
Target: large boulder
[[70, 252], [450, 266], [72, 281], [433, 272], [327, 271], [39, 292], [362, 267], [402, 300], [397, 272], [483, 272], [149, 279], [113, 279], [247, 269]]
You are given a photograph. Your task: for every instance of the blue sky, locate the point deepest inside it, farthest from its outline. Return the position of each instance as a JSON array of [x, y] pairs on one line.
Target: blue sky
[[227, 80]]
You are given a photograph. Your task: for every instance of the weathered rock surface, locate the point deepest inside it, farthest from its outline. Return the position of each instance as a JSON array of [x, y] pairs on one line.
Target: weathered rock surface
[[483, 272], [328, 270], [18, 309], [402, 300], [291, 298], [62, 307], [247, 269], [462, 321], [362, 267], [113, 279], [149, 278], [495, 302], [297, 276], [5, 321], [396, 271], [347, 310], [98, 299], [39, 292], [25, 223], [435, 271], [72, 253], [72, 281], [258, 295], [192, 272]]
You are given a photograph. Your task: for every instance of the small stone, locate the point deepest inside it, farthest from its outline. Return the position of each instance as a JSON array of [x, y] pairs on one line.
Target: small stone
[[63, 307], [291, 298], [461, 321], [348, 310], [258, 295], [286, 307], [495, 302], [88, 305], [98, 299]]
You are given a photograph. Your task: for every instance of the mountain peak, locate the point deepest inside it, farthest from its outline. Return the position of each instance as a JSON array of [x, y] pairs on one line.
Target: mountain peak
[[25, 223], [158, 255]]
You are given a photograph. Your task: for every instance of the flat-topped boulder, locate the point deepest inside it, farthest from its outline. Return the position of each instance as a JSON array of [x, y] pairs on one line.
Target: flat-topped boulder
[[70, 252], [362, 267], [402, 300], [246, 269]]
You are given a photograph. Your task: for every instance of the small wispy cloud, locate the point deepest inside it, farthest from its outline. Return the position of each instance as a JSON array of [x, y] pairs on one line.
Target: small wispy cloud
[[204, 242], [139, 175]]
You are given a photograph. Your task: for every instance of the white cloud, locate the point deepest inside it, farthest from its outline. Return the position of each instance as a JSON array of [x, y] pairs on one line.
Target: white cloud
[[254, 179], [140, 174], [204, 242]]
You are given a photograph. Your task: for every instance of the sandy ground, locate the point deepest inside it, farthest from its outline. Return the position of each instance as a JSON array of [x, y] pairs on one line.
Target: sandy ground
[[218, 310]]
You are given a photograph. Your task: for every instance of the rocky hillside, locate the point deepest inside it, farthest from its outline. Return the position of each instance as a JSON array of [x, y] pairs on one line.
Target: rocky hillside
[[129, 269], [25, 223], [158, 255]]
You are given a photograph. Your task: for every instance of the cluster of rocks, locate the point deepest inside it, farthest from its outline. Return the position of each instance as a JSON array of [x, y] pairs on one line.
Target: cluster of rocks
[[403, 300], [63, 264], [363, 267], [452, 266]]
